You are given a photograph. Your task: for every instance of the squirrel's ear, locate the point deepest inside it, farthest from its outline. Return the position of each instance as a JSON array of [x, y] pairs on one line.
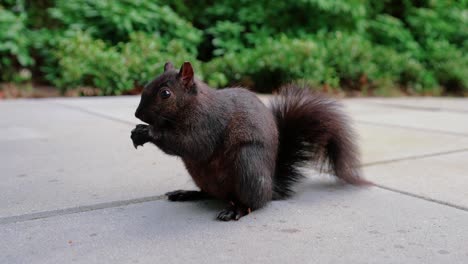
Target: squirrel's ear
[[168, 66], [186, 74]]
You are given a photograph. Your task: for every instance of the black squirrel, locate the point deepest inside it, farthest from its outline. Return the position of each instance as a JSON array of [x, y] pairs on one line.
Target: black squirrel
[[236, 148]]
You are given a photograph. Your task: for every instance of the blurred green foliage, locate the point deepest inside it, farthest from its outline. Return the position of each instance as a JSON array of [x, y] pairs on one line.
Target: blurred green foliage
[[14, 45], [420, 46]]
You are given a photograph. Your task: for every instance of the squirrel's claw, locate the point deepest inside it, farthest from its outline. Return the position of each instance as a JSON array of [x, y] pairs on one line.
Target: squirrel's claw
[[137, 144], [233, 212]]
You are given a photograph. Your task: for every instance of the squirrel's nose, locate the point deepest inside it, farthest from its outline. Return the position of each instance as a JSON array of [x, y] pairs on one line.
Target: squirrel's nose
[[137, 114], [140, 115]]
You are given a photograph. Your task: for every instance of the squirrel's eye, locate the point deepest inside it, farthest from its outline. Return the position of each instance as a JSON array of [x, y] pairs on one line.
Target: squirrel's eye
[[165, 94]]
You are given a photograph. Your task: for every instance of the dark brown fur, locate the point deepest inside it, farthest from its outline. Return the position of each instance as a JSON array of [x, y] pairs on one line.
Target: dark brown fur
[[237, 149]]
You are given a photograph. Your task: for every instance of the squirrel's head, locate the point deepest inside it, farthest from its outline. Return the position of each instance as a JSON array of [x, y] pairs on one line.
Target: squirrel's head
[[164, 98]]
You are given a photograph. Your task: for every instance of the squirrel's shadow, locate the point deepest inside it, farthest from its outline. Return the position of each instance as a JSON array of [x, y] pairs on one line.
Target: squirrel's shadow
[[309, 191], [166, 219], [330, 185], [320, 192], [211, 205]]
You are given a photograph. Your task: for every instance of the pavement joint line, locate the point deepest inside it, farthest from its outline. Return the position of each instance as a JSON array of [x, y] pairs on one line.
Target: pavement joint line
[[412, 128], [115, 204], [75, 210], [420, 108], [422, 197], [93, 113], [416, 157]]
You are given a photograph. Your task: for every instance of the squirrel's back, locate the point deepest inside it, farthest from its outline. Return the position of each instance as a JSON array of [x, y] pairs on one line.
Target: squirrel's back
[[250, 119]]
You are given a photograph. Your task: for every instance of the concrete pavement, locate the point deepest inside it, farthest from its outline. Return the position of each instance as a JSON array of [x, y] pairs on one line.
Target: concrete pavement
[[73, 190]]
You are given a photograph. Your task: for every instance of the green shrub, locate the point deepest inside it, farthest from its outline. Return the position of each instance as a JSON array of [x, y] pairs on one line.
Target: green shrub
[[145, 56], [273, 62], [449, 64], [114, 20], [84, 61], [404, 70], [14, 52], [334, 59], [226, 37], [349, 55], [289, 16], [370, 46], [389, 31], [235, 25], [43, 45], [445, 23]]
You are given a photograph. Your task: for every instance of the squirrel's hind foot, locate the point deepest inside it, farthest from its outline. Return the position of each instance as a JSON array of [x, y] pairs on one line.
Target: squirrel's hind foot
[[233, 212]]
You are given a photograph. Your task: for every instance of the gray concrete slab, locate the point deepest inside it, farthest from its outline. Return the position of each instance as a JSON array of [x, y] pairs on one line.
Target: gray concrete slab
[[53, 157], [324, 223], [120, 108], [381, 144], [438, 121], [442, 178], [69, 164], [424, 103]]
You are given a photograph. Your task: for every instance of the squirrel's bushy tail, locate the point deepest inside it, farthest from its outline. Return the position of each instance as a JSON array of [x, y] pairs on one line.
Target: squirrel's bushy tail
[[312, 129]]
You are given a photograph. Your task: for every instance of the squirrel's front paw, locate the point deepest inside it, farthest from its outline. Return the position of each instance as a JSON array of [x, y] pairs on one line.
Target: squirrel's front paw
[[140, 135]]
